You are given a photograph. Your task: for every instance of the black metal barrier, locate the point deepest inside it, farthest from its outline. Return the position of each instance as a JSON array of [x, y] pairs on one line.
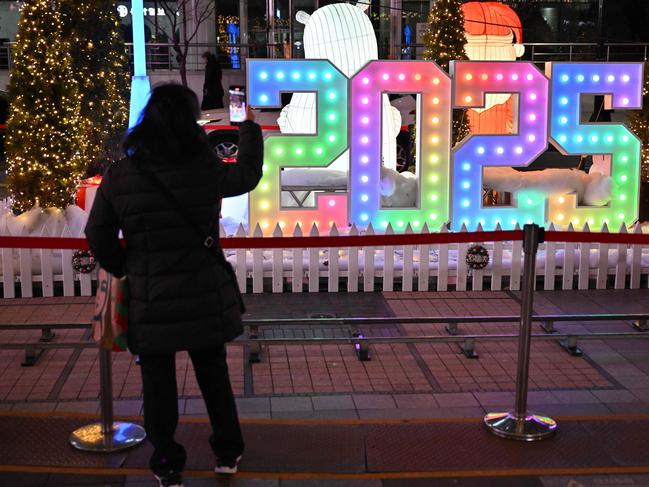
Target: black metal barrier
[[108, 435]]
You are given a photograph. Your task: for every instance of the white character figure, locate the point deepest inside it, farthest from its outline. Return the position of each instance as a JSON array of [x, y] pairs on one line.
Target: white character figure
[[343, 34]]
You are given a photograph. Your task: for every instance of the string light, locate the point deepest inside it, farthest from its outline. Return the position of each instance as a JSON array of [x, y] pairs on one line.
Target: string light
[[51, 134], [639, 125], [100, 62], [444, 42]]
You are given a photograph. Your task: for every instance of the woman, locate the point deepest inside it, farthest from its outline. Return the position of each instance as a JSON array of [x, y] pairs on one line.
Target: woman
[[164, 197]]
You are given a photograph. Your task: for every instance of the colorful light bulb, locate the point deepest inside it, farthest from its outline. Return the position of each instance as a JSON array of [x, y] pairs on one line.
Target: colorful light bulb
[[622, 85], [309, 150], [432, 155], [476, 152]]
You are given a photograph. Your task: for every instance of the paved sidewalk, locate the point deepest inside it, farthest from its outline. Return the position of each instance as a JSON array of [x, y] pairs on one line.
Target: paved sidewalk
[[405, 397], [328, 381]]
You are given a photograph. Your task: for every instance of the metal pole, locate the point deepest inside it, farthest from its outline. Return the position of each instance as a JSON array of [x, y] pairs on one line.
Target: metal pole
[[107, 435], [290, 25], [600, 31], [106, 389], [530, 247], [519, 424], [270, 26]]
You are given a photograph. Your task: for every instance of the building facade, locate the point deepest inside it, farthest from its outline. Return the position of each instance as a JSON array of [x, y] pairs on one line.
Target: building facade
[[268, 28], [237, 29]]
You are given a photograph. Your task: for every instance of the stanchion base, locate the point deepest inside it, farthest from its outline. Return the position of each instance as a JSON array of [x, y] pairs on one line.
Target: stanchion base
[[90, 437], [528, 428]]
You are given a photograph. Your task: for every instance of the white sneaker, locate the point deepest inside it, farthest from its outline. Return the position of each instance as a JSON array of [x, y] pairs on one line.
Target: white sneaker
[[228, 468], [174, 479]]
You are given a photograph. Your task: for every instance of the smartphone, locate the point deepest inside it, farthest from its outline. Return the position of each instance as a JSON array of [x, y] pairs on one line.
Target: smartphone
[[237, 104]]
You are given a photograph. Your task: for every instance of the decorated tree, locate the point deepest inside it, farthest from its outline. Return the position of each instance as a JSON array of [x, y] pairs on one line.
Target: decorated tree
[[100, 64], [46, 133], [444, 42], [639, 125]]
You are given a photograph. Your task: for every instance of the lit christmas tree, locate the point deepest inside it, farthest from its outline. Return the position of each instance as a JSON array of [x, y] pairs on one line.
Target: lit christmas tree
[[100, 63], [639, 125], [444, 41], [45, 129]]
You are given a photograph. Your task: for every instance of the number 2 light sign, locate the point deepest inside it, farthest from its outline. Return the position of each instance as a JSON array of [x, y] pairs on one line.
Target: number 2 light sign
[[349, 116]]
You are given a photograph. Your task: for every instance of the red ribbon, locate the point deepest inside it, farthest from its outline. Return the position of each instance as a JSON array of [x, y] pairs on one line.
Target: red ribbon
[[355, 240]]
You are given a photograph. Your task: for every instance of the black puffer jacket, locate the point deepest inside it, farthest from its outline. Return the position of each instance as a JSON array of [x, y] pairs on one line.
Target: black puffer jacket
[[182, 298]]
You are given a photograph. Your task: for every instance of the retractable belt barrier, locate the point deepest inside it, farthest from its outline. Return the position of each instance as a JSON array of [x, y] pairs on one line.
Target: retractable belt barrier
[[356, 240]]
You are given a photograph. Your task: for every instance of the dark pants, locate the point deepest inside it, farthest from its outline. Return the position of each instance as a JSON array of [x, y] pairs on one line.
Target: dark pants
[[161, 407]]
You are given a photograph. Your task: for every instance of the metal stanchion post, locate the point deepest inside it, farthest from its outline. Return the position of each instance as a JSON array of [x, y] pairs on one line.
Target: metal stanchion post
[[107, 435], [519, 425]]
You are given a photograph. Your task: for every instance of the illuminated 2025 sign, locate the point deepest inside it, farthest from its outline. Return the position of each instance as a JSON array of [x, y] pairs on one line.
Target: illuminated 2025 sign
[[450, 180]]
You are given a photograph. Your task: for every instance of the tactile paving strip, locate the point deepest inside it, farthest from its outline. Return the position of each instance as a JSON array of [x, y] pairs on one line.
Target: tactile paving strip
[[469, 446], [275, 448], [626, 442], [44, 441], [349, 448]]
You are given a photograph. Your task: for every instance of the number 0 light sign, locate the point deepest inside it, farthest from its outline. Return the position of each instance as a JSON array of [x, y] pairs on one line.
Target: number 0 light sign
[[450, 181]]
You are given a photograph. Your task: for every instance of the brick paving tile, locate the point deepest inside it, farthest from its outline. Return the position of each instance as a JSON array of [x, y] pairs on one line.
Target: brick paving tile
[[615, 396], [127, 408], [373, 401], [253, 404], [456, 412], [456, 400], [195, 406], [320, 414], [78, 407], [642, 394], [575, 397], [628, 408], [415, 401], [541, 397], [494, 398], [570, 410], [34, 407], [278, 404], [333, 402], [313, 369]]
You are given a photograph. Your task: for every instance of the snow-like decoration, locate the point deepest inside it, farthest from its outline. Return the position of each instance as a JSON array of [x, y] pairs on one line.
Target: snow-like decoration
[[343, 34], [592, 189], [398, 190], [39, 222]]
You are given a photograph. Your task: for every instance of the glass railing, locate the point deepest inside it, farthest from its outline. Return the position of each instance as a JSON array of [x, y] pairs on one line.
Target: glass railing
[[164, 56]]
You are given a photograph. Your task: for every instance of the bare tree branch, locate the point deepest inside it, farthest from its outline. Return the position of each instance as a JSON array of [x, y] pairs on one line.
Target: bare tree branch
[[197, 11]]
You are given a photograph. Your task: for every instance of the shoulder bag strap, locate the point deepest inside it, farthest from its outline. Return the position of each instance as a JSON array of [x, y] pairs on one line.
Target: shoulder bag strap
[[207, 239]]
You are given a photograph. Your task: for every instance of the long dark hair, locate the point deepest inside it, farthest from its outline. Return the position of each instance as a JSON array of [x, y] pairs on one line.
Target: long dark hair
[[167, 130]]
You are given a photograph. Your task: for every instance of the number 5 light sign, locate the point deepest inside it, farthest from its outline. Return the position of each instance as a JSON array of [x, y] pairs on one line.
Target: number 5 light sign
[[349, 116]]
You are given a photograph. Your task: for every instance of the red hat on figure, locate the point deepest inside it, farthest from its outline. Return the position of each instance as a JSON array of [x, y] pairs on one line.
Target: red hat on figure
[[492, 24], [491, 18]]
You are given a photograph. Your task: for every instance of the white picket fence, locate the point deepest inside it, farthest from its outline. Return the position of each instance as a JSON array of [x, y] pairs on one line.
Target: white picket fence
[[430, 267], [24, 270]]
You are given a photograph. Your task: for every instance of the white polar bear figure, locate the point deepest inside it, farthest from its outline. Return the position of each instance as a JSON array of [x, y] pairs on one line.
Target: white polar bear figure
[[592, 189], [343, 34]]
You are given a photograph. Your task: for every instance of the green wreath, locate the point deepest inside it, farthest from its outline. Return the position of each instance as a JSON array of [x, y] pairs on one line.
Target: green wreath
[[83, 261], [477, 257]]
